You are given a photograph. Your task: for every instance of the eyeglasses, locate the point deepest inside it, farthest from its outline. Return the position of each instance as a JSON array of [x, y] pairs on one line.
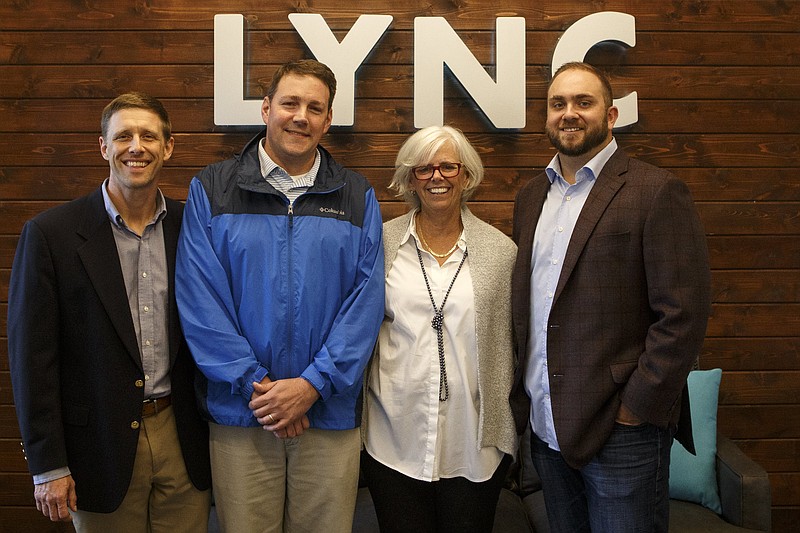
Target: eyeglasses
[[447, 170]]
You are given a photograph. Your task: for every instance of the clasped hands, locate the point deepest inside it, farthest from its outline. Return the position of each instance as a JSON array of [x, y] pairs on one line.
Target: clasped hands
[[280, 406]]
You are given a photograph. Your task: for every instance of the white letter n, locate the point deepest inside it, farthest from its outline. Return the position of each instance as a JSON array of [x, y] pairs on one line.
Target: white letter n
[[436, 43]]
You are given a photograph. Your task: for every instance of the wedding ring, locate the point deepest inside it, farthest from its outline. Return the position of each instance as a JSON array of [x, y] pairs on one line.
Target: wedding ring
[[270, 418]]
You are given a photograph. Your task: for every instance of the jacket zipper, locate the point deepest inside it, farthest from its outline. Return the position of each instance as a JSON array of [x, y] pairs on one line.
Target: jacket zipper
[[290, 314]]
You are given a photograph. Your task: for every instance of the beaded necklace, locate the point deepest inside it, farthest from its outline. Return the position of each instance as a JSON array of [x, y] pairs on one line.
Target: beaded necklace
[[437, 322]]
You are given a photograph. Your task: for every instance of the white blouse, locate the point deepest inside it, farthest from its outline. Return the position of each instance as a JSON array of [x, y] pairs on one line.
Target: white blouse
[[409, 429]]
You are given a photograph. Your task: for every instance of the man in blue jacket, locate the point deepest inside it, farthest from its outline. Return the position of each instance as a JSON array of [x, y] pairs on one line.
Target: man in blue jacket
[[280, 290]]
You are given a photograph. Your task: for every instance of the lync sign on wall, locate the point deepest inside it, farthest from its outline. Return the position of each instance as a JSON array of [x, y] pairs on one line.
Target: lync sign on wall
[[436, 44]]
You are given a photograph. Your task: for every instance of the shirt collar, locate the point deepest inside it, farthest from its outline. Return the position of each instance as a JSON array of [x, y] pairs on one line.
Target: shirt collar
[[590, 170], [268, 166], [116, 218]]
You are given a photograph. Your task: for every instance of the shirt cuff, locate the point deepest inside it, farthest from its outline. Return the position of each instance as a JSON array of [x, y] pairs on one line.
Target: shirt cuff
[[51, 475]]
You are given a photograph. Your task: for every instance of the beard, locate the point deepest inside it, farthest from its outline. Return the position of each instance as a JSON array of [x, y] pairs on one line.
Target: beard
[[593, 137]]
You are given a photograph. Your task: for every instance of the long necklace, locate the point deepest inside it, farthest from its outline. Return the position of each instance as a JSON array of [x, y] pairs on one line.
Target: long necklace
[[437, 322], [428, 246]]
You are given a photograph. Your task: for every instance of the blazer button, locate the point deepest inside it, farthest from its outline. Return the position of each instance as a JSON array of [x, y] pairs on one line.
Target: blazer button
[[135, 424], [139, 383]]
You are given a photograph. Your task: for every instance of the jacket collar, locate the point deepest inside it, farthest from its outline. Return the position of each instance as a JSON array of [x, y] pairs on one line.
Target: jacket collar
[[609, 182], [248, 173]]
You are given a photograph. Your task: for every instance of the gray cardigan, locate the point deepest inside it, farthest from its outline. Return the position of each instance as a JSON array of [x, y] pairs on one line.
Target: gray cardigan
[[491, 261]]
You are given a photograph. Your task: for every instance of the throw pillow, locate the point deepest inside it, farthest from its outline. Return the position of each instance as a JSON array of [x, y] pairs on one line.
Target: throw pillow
[[694, 477]]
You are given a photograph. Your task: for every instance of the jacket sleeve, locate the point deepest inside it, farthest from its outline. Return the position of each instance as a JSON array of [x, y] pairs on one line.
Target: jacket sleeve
[[678, 286], [33, 350], [205, 303], [340, 363]]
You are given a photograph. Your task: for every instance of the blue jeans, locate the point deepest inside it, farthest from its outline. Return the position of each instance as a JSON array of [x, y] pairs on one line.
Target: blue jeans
[[625, 488]]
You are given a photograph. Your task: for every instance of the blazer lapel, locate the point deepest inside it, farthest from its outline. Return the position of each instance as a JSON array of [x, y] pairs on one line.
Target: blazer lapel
[[171, 225], [608, 183], [529, 208], [101, 261]]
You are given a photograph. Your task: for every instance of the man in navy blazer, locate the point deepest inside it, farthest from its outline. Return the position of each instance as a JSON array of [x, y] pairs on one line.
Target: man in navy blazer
[[104, 384], [610, 302]]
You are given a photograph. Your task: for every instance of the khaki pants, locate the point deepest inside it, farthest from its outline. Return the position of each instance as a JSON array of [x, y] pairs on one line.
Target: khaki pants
[[161, 497], [266, 484]]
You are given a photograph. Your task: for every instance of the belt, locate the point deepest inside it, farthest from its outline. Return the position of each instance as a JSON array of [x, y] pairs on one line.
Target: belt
[[155, 405]]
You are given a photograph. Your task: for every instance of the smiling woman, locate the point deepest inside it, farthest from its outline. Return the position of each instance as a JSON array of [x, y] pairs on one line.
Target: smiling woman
[[447, 315]]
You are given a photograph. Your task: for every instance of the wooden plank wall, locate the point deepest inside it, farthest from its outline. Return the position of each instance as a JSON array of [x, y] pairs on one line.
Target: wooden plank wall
[[719, 100]]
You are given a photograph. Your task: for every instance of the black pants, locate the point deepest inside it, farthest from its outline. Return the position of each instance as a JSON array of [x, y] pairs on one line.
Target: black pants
[[454, 505]]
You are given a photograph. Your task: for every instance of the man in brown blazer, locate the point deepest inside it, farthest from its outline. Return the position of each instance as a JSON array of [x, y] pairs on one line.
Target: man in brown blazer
[[610, 301]]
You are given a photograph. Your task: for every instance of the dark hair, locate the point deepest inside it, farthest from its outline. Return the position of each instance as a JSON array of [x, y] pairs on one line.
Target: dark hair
[[136, 100], [305, 67], [608, 94]]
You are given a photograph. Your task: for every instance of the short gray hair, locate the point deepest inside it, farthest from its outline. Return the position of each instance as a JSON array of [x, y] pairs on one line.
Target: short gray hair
[[420, 148]]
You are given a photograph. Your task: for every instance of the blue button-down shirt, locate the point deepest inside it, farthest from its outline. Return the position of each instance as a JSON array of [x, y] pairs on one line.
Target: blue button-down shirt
[[560, 212]]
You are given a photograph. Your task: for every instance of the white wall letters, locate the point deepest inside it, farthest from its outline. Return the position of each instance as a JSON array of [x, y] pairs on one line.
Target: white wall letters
[[593, 29], [435, 44], [343, 59]]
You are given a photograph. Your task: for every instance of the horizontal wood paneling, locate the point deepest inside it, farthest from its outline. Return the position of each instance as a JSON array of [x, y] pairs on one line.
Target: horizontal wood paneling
[[733, 320], [749, 353], [756, 286], [500, 183], [773, 151], [785, 488], [5, 274], [775, 455], [702, 84], [28, 520], [3, 356], [6, 395], [760, 388], [8, 423], [785, 518], [718, 84], [17, 488], [692, 55], [778, 218], [743, 16], [753, 252], [11, 456]]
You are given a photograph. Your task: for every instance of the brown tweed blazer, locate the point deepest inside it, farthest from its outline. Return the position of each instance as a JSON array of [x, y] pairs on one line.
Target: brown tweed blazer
[[630, 310]]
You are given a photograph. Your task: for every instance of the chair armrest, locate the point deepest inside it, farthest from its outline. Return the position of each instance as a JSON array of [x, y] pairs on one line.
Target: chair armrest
[[744, 488]]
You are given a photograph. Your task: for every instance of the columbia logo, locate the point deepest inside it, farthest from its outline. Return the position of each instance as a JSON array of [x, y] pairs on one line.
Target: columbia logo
[[331, 210]]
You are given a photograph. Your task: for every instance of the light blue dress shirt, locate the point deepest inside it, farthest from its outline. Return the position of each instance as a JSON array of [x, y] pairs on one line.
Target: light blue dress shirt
[[560, 212]]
